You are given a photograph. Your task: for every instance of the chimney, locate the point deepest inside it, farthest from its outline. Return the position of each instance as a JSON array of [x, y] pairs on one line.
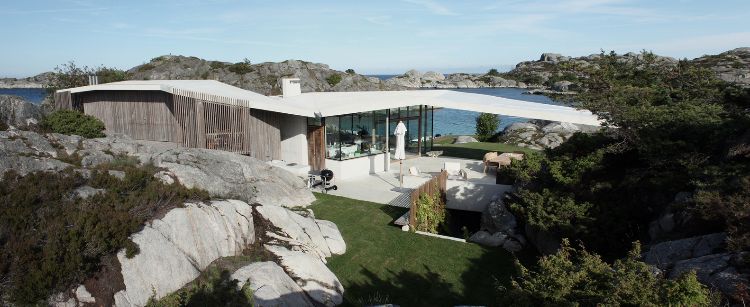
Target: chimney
[[93, 79], [290, 87]]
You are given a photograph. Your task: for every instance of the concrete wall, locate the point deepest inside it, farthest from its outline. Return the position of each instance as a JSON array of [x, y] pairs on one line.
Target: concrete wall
[[294, 139], [356, 167]]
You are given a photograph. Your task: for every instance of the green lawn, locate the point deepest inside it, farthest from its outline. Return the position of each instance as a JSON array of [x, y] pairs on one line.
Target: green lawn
[[383, 264], [474, 150]]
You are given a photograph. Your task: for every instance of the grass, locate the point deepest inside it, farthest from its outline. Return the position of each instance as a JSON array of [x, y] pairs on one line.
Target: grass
[[383, 264], [474, 151]]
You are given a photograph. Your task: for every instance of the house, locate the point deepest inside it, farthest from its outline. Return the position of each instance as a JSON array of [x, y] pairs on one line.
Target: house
[[347, 132]]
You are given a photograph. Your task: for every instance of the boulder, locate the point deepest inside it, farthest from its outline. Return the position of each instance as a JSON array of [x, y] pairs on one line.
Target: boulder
[[15, 111], [561, 128], [174, 249], [87, 191], [550, 140], [271, 286], [518, 127], [550, 57], [463, 139], [665, 254], [715, 271], [165, 177], [301, 232], [311, 274], [488, 239], [333, 237], [496, 217]]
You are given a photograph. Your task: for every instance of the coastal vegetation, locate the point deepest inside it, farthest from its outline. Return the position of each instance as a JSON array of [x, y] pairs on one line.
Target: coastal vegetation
[[72, 122], [486, 126], [679, 129], [71, 75], [53, 235], [333, 79], [573, 276]]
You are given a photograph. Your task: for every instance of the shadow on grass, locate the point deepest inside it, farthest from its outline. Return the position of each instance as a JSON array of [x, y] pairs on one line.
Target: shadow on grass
[[393, 212], [429, 288], [462, 152]]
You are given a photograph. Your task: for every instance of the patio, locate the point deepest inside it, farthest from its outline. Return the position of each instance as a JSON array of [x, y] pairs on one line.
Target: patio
[[472, 195]]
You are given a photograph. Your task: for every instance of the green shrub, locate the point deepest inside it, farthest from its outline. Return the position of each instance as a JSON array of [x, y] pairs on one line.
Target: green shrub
[[51, 240], [74, 123], [241, 68], [573, 277], [486, 126], [431, 212], [350, 71], [334, 79], [493, 72]]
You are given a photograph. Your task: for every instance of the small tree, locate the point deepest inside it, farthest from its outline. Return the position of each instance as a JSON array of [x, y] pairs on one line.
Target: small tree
[[486, 126], [493, 72], [333, 79], [350, 71], [71, 75]]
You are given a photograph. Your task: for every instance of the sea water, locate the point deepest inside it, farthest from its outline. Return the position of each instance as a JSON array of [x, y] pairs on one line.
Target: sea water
[[33, 95]]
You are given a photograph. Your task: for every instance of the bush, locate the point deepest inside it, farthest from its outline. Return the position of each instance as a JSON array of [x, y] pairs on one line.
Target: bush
[[241, 68], [431, 212], [216, 65], [74, 123], [51, 240], [486, 126], [493, 72], [573, 277], [350, 71], [333, 79], [146, 67]]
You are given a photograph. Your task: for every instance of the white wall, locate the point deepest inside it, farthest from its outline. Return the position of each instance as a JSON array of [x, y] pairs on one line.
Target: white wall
[[294, 139], [356, 167]]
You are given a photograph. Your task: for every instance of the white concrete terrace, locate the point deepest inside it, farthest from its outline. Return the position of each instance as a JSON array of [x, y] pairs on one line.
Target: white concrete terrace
[[472, 195]]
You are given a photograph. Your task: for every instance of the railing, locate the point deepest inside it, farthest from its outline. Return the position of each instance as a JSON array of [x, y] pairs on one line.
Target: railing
[[437, 182]]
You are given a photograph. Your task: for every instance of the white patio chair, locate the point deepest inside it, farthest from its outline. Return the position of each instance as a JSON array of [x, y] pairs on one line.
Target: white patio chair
[[455, 171]]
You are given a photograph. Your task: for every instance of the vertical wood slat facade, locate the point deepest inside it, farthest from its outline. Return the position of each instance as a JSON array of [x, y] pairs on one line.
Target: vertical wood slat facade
[[189, 119], [438, 182]]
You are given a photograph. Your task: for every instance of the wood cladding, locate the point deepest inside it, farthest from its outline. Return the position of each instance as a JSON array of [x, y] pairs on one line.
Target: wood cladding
[[189, 119], [316, 147]]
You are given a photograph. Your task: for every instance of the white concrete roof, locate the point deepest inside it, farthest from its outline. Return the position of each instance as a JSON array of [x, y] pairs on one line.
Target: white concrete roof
[[196, 88], [338, 103]]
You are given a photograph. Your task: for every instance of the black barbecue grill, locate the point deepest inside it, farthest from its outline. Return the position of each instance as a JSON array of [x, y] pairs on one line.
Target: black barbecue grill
[[326, 181]]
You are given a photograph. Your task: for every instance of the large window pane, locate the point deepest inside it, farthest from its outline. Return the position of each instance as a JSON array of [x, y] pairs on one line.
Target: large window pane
[[333, 142]]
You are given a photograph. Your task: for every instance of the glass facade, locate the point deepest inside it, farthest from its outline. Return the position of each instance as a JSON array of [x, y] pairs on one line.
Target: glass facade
[[362, 134]]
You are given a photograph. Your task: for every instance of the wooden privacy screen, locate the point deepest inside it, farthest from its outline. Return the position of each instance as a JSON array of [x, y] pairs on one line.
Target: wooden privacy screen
[[186, 120], [428, 188]]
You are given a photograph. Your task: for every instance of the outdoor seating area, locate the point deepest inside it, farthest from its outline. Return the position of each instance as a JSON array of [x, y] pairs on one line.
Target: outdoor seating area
[[468, 186], [493, 159]]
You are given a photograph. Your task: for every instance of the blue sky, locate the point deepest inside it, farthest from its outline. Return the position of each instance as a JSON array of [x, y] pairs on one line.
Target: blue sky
[[373, 37]]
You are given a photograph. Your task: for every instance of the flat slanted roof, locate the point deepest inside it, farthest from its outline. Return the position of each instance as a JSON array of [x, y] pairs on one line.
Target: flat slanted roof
[[338, 103]]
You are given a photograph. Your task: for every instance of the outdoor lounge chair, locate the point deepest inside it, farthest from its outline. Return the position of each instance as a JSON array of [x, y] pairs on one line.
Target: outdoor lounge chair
[[414, 171], [488, 160], [455, 171]]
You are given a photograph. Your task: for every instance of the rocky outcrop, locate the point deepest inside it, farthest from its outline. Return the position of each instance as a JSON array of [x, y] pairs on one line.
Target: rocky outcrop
[[271, 286], [706, 255], [542, 134], [175, 249], [222, 174], [431, 79], [38, 81], [730, 66], [261, 78], [463, 139], [15, 111], [498, 227]]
